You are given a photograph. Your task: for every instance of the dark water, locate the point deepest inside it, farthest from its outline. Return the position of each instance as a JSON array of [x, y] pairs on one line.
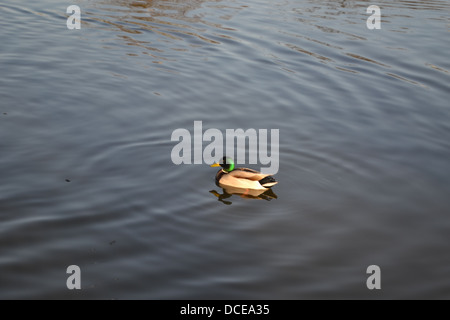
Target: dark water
[[364, 122]]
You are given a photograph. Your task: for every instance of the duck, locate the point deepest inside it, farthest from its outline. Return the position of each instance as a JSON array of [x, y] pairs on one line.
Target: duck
[[242, 178]]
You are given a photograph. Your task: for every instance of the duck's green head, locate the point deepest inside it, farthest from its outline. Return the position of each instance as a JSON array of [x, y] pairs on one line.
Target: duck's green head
[[226, 163]]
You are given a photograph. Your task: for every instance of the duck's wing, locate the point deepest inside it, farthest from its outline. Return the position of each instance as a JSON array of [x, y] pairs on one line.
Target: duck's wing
[[249, 174], [239, 181]]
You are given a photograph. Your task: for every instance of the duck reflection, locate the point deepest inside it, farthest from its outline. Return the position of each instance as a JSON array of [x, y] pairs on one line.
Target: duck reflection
[[228, 192]]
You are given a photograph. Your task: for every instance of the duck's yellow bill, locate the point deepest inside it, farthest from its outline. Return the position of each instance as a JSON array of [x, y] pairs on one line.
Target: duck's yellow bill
[[215, 165]]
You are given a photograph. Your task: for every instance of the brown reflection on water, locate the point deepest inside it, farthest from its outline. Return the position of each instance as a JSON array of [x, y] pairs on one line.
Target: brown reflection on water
[[410, 4], [170, 20]]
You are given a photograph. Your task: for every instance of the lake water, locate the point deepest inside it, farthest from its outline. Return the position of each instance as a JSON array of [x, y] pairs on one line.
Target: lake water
[[87, 179]]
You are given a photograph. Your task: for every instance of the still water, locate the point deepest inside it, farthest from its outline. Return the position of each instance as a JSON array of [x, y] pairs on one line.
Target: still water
[[86, 176]]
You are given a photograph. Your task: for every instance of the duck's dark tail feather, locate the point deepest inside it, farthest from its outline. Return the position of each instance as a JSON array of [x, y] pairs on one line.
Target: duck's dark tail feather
[[268, 182]]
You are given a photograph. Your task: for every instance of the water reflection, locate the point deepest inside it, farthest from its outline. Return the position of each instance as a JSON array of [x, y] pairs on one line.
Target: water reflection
[[161, 29], [171, 20], [227, 192]]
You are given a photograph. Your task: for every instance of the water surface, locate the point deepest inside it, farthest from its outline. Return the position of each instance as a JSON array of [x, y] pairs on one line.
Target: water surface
[[86, 118]]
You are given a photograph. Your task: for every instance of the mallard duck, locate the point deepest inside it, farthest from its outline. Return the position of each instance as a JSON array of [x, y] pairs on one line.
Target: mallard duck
[[242, 178]]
